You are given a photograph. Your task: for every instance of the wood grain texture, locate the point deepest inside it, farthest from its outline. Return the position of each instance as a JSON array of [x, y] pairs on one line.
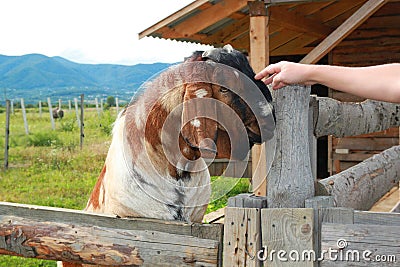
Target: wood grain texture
[[242, 237], [290, 181], [363, 244], [80, 237], [360, 186], [105, 246], [288, 230], [342, 119]]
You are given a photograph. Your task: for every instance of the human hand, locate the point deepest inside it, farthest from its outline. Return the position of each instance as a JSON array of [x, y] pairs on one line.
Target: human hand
[[284, 73]]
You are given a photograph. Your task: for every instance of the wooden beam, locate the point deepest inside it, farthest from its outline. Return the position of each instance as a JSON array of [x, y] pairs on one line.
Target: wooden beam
[[259, 58], [79, 237], [342, 119], [355, 20], [226, 34], [173, 17], [295, 21], [206, 18], [283, 2], [360, 186]]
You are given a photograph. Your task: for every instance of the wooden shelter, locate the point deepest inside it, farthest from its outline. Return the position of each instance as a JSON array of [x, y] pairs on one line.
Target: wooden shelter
[[342, 32]]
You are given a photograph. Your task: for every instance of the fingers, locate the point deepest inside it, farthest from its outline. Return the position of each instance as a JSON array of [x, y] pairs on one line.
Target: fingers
[[277, 82], [271, 69]]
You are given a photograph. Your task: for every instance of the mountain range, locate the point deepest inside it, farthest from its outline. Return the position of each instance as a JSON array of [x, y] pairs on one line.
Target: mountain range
[[36, 77]]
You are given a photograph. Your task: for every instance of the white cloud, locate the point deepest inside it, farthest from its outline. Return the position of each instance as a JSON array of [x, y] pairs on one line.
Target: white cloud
[[89, 31]]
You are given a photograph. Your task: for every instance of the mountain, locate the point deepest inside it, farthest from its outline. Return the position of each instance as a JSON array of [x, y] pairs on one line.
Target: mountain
[[36, 76]]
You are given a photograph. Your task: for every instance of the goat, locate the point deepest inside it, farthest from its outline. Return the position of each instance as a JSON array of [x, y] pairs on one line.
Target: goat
[[58, 113], [154, 167]]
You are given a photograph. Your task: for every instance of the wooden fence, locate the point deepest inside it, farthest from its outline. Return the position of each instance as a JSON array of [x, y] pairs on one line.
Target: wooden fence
[[291, 226]]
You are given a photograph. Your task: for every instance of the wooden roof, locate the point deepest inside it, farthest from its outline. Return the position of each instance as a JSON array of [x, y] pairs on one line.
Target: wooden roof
[[295, 27]]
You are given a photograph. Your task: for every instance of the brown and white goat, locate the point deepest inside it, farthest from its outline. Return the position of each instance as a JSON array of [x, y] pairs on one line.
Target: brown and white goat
[[157, 171]]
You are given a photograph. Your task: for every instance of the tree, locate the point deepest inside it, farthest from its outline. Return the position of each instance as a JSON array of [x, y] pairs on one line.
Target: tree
[[110, 101]]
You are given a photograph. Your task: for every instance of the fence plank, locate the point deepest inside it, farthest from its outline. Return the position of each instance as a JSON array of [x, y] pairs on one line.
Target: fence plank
[[379, 218], [287, 230], [72, 232], [241, 237], [100, 245], [359, 244]]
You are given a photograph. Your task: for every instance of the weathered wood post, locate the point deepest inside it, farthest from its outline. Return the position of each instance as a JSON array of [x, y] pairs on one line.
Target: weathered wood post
[[77, 112], [82, 135], [117, 105], [40, 108], [6, 146], [53, 126], [97, 106], [24, 116], [290, 181], [69, 106]]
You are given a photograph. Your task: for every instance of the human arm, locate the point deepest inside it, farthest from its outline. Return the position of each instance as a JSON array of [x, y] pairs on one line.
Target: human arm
[[381, 82]]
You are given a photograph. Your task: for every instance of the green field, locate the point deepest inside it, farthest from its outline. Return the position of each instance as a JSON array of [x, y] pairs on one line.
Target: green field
[[47, 167]]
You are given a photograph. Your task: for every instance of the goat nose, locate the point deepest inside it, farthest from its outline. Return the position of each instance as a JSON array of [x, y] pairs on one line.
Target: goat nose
[[208, 148]]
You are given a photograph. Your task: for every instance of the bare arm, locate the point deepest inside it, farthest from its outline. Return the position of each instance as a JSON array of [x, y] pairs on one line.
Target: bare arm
[[381, 82]]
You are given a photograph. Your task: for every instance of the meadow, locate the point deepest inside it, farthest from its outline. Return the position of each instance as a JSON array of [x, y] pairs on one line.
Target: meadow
[[48, 167]]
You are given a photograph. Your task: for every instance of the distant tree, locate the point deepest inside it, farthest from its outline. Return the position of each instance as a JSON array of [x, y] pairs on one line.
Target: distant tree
[[110, 101]]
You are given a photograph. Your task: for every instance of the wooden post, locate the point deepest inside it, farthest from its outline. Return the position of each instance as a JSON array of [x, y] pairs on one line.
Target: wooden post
[[82, 124], [290, 181], [117, 105], [259, 58], [40, 108], [53, 126], [97, 106], [69, 106], [24, 116], [6, 143], [101, 104], [77, 112], [59, 103], [12, 107], [242, 237], [318, 203]]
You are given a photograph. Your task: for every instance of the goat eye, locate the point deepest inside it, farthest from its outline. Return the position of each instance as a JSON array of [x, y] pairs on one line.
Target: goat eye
[[223, 90]]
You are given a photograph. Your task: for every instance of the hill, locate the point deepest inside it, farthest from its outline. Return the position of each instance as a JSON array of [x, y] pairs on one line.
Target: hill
[[36, 76]]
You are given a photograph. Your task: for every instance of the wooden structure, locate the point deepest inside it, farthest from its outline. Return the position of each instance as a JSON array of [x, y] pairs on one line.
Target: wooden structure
[[351, 33], [290, 226]]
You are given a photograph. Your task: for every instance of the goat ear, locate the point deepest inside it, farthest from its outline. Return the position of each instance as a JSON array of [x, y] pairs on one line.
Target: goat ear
[[197, 130]]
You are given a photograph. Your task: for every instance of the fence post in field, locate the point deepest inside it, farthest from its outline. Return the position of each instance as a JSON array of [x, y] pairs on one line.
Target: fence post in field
[[101, 104], [40, 108], [117, 105], [69, 106], [82, 124], [24, 116], [53, 126], [97, 106], [77, 112], [12, 107], [6, 146], [59, 103]]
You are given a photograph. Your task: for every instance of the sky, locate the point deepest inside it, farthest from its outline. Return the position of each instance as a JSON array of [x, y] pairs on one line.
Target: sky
[[90, 31]]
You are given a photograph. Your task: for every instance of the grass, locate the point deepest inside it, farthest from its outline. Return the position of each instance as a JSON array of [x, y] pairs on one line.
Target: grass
[[47, 167]]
